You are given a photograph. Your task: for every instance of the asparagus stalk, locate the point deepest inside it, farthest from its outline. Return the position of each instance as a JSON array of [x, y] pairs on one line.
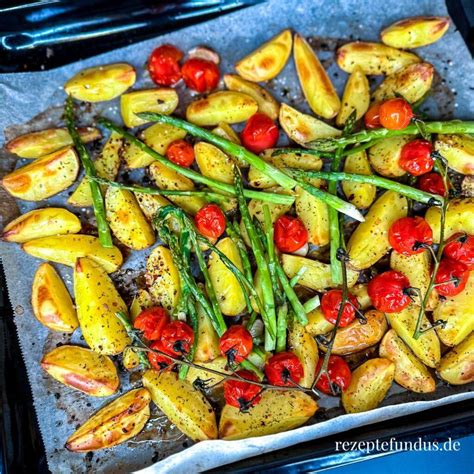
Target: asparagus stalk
[[282, 325]]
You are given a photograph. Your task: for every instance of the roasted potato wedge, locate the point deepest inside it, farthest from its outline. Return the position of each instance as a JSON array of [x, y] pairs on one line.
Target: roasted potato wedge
[[126, 219], [207, 346], [373, 58], [66, 249], [44, 177], [219, 364], [160, 101], [363, 298], [415, 32], [41, 223], [184, 405], [214, 163], [409, 370], [369, 242], [356, 97], [457, 366], [315, 83], [458, 150], [277, 411], [44, 142], [101, 83], [97, 301], [362, 195], [224, 130], [267, 61], [385, 155], [51, 302], [370, 383], [82, 369], [141, 301], [114, 423], [317, 323], [150, 204]]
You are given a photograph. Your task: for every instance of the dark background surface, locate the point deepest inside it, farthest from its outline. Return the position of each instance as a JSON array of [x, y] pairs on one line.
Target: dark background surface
[[48, 34]]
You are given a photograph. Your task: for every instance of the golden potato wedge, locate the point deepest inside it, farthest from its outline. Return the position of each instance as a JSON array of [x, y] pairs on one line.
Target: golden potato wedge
[[412, 82], [373, 58], [370, 383], [315, 83], [267, 61], [44, 177], [363, 298], [317, 275], [141, 301], [66, 249], [44, 142], [317, 323], [214, 163], [41, 223], [303, 128], [207, 346], [114, 423], [458, 150], [230, 296], [266, 103], [458, 218], [457, 366], [458, 312], [101, 83], [224, 130], [415, 32], [150, 204], [356, 97], [82, 369], [369, 242], [126, 219], [97, 301], [362, 195], [409, 371], [184, 405], [385, 154], [130, 359], [276, 412], [219, 364], [426, 347], [51, 302], [160, 101], [222, 106], [163, 278], [106, 165]]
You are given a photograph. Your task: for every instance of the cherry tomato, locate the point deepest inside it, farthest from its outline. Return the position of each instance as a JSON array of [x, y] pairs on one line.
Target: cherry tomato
[[451, 277], [290, 234], [284, 369], [180, 152], [330, 304], [241, 394], [372, 117], [260, 133], [415, 157], [163, 65], [200, 75], [431, 183], [210, 221], [236, 344], [151, 322], [158, 361], [177, 338], [389, 292], [460, 247], [395, 114], [410, 235], [339, 375]]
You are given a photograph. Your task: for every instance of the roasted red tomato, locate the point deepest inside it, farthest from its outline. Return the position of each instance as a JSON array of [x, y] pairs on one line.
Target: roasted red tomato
[[284, 369], [395, 114], [290, 234], [158, 361], [181, 152], [241, 394], [236, 344], [451, 277], [339, 376], [331, 303], [460, 247], [389, 292], [210, 221], [410, 235], [372, 117], [200, 75], [177, 338], [163, 65], [431, 183], [151, 322], [260, 133], [415, 157]]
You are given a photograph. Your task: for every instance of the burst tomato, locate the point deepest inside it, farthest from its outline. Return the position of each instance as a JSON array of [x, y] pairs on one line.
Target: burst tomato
[[389, 292], [410, 235], [431, 183], [395, 114], [200, 75], [290, 234], [236, 344], [180, 152], [451, 277], [163, 65], [338, 375], [331, 303], [372, 117], [284, 369], [241, 394], [415, 157], [151, 322], [158, 361], [177, 338], [260, 133], [460, 247], [210, 221]]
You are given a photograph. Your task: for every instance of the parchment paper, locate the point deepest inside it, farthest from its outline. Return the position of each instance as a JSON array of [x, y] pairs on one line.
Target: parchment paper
[[23, 99]]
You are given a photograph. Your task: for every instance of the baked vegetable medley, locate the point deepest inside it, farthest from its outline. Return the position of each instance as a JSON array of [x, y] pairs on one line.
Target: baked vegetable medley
[[288, 257]]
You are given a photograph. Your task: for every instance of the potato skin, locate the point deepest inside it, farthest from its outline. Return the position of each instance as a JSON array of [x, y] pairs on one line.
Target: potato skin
[[369, 385], [362, 195], [97, 302], [356, 97], [410, 372], [277, 411], [82, 369], [457, 366], [185, 406], [207, 346], [214, 163], [458, 150], [384, 156], [41, 223], [51, 302]]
